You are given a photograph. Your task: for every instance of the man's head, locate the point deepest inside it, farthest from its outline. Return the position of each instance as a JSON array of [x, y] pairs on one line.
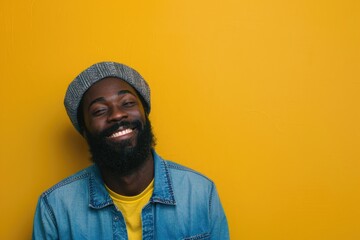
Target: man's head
[[112, 114], [95, 73]]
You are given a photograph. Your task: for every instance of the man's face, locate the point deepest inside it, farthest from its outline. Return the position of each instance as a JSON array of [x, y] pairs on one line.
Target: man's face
[[116, 128], [109, 102]]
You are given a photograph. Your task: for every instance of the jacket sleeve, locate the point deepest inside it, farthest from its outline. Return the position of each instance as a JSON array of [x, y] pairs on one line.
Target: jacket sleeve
[[218, 221], [44, 222]]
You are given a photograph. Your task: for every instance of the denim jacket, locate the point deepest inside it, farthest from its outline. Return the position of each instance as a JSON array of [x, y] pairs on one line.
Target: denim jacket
[[184, 205]]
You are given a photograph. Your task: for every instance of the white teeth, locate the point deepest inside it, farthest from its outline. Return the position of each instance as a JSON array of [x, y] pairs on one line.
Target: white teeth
[[121, 133]]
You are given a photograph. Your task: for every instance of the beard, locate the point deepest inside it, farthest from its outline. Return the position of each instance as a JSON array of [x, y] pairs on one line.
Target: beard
[[122, 158]]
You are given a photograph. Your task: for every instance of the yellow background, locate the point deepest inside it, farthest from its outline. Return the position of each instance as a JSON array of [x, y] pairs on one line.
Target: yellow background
[[261, 96]]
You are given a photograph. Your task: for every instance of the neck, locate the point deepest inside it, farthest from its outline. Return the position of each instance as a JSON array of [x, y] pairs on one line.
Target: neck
[[133, 183]]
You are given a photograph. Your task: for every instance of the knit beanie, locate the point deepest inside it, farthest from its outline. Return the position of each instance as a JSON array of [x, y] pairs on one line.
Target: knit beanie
[[95, 73]]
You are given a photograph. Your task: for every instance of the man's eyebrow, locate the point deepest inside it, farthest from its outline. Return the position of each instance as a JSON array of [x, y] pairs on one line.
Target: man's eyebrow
[[102, 99], [121, 92]]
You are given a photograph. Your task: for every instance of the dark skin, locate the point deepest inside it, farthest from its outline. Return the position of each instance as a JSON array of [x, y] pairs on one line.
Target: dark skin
[[109, 101]]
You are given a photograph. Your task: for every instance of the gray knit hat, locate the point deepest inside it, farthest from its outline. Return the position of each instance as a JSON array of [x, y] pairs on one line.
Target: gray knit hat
[[96, 72]]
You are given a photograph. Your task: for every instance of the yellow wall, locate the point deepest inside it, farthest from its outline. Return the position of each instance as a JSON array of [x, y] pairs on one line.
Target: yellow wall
[[261, 96]]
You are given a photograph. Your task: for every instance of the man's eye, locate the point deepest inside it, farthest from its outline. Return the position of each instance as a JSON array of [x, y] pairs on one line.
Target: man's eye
[[98, 112], [129, 103]]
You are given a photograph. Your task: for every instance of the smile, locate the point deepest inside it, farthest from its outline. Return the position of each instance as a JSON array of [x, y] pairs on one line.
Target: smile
[[121, 132]]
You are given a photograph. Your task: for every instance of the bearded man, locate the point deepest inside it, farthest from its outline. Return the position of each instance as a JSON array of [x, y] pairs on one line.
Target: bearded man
[[129, 192]]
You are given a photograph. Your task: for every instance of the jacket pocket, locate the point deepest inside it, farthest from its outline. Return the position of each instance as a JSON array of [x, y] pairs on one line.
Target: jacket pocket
[[198, 237]]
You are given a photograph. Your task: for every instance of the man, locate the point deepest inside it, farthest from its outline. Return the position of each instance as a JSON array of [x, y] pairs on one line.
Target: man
[[130, 192]]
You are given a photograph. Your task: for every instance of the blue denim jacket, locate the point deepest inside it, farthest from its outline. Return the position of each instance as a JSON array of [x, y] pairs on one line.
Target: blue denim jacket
[[184, 205]]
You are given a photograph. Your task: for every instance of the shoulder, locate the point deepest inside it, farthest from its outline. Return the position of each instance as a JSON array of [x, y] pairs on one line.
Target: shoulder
[[177, 171], [73, 182], [189, 186], [186, 178], [177, 168]]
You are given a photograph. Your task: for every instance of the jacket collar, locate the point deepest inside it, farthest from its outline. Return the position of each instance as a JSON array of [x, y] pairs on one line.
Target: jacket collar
[[163, 187]]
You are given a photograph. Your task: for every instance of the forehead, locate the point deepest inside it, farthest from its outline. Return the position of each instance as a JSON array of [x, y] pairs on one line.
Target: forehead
[[107, 87]]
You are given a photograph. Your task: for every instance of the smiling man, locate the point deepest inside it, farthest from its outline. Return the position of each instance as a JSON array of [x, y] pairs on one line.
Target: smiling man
[[129, 192]]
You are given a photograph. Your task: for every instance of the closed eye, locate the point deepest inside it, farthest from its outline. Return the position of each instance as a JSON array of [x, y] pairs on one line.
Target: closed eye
[[98, 112], [129, 103]]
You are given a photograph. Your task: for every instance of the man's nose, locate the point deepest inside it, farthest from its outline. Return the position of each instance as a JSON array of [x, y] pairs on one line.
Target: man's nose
[[116, 114]]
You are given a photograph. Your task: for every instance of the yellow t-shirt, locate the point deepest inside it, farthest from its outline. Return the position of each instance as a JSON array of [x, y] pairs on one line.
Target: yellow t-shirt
[[131, 208]]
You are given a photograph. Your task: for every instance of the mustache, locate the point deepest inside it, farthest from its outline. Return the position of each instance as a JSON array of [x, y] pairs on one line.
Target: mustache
[[126, 124]]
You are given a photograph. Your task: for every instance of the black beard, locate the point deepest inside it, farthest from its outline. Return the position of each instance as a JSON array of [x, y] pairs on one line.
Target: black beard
[[121, 158]]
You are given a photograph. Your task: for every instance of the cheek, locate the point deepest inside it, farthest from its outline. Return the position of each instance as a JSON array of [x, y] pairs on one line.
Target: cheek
[[94, 125], [139, 115]]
